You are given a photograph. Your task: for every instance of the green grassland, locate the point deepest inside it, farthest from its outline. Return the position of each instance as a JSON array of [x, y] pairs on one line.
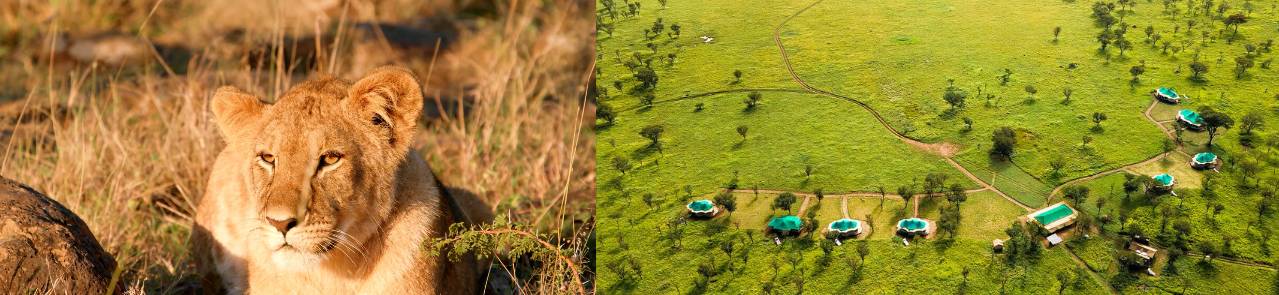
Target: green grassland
[[898, 57], [787, 132]]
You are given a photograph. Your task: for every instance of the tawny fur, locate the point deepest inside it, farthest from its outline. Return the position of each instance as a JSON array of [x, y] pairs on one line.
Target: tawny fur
[[361, 220]]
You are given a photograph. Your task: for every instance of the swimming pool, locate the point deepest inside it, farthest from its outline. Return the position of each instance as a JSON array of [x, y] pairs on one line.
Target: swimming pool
[[1053, 214]]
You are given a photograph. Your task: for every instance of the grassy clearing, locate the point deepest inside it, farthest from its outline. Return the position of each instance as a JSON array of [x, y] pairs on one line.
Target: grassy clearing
[[1007, 178], [787, 132]]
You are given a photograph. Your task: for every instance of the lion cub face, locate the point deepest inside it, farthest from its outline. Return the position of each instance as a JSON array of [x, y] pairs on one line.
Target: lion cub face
[[319, 163]]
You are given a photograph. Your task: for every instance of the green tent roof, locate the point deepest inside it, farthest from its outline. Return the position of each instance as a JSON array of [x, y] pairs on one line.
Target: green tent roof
[[1190, 117], [1205, 157], [788, 222], [1053, 214], [845, 225], [1164, 179], [701, 206], [1168, 92], [912, 224]]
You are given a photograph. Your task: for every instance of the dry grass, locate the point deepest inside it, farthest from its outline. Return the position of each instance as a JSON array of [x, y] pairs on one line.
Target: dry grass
[[128, 147]]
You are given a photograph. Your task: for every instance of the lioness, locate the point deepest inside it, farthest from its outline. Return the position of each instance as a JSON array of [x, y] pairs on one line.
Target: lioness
[[319, 194]]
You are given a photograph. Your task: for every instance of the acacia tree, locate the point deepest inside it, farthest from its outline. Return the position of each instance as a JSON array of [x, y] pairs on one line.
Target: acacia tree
[[1197, 69], [1003, 140], [741, 130], [605, 112], [654, 134], [1214, 120], [1136, 71], [1123, 44], [737, 76], [728, 201], [752, 100], [957, 194], [784, 201], [621, 164], [1235, 20], [1097, 118], [954, 96], [1056, 32]]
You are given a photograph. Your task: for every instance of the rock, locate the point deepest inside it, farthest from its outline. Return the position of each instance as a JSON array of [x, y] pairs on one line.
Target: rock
[[45, 248]]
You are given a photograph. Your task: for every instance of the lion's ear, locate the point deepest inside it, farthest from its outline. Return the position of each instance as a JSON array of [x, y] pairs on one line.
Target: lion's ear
[[389, 98], [234, 110]]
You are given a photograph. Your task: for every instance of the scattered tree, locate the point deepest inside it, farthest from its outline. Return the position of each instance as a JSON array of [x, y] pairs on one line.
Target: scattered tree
[[1136, 71], [1235, 20], [728, 201], [654, 134], [1197, 69], [737, 76], [784, 201], [1003, 140], [1097, 118], [1066, 92], [1214, 120], [1056, 32], [647, 78], [954, 96], [741, 130], [621, 164], [605, 112], [752, 100]]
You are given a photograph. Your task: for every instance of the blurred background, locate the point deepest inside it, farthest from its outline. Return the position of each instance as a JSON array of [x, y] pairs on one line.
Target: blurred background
[[104, 107]]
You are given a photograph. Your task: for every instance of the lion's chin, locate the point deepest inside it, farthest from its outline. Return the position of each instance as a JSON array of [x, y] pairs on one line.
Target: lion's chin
[[291, 259]]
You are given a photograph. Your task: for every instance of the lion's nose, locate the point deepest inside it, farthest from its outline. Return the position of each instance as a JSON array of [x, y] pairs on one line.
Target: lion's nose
[[283, 225]]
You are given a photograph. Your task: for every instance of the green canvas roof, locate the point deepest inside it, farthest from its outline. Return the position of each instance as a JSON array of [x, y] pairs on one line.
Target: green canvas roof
[[1164, 179], [1053, 214], [788, 222], [1205, 157], [844, 225], [1168, 92], [1190, 116], [701, 205], [912, 224]]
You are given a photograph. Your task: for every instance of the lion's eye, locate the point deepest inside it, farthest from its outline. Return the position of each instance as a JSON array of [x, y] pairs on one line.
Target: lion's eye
[[268, 158], [330, 158]]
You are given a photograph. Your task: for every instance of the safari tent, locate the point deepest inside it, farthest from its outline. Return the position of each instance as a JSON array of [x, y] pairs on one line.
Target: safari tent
[[1054, 217], [1164, 181], [844, 228], [1190, 119], [785, 225], [1167, 94], [1204, 160], [702, 208], [914, 226]]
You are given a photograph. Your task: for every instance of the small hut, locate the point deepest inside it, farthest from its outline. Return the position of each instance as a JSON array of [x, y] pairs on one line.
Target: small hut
[[785, 225], [1144, 251], [1055, 217], [997, 245], [844, 228], [1204, 161], [914, 226], [1164, 182], [1190, 119], [1167, 94], [702, 209]]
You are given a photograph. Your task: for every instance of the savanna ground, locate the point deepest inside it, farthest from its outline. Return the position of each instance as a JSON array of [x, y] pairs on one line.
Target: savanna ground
[[838, 83], [105, 108]]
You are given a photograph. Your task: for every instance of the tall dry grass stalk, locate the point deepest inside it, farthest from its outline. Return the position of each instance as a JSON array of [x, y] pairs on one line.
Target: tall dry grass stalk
[[128, 147]]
